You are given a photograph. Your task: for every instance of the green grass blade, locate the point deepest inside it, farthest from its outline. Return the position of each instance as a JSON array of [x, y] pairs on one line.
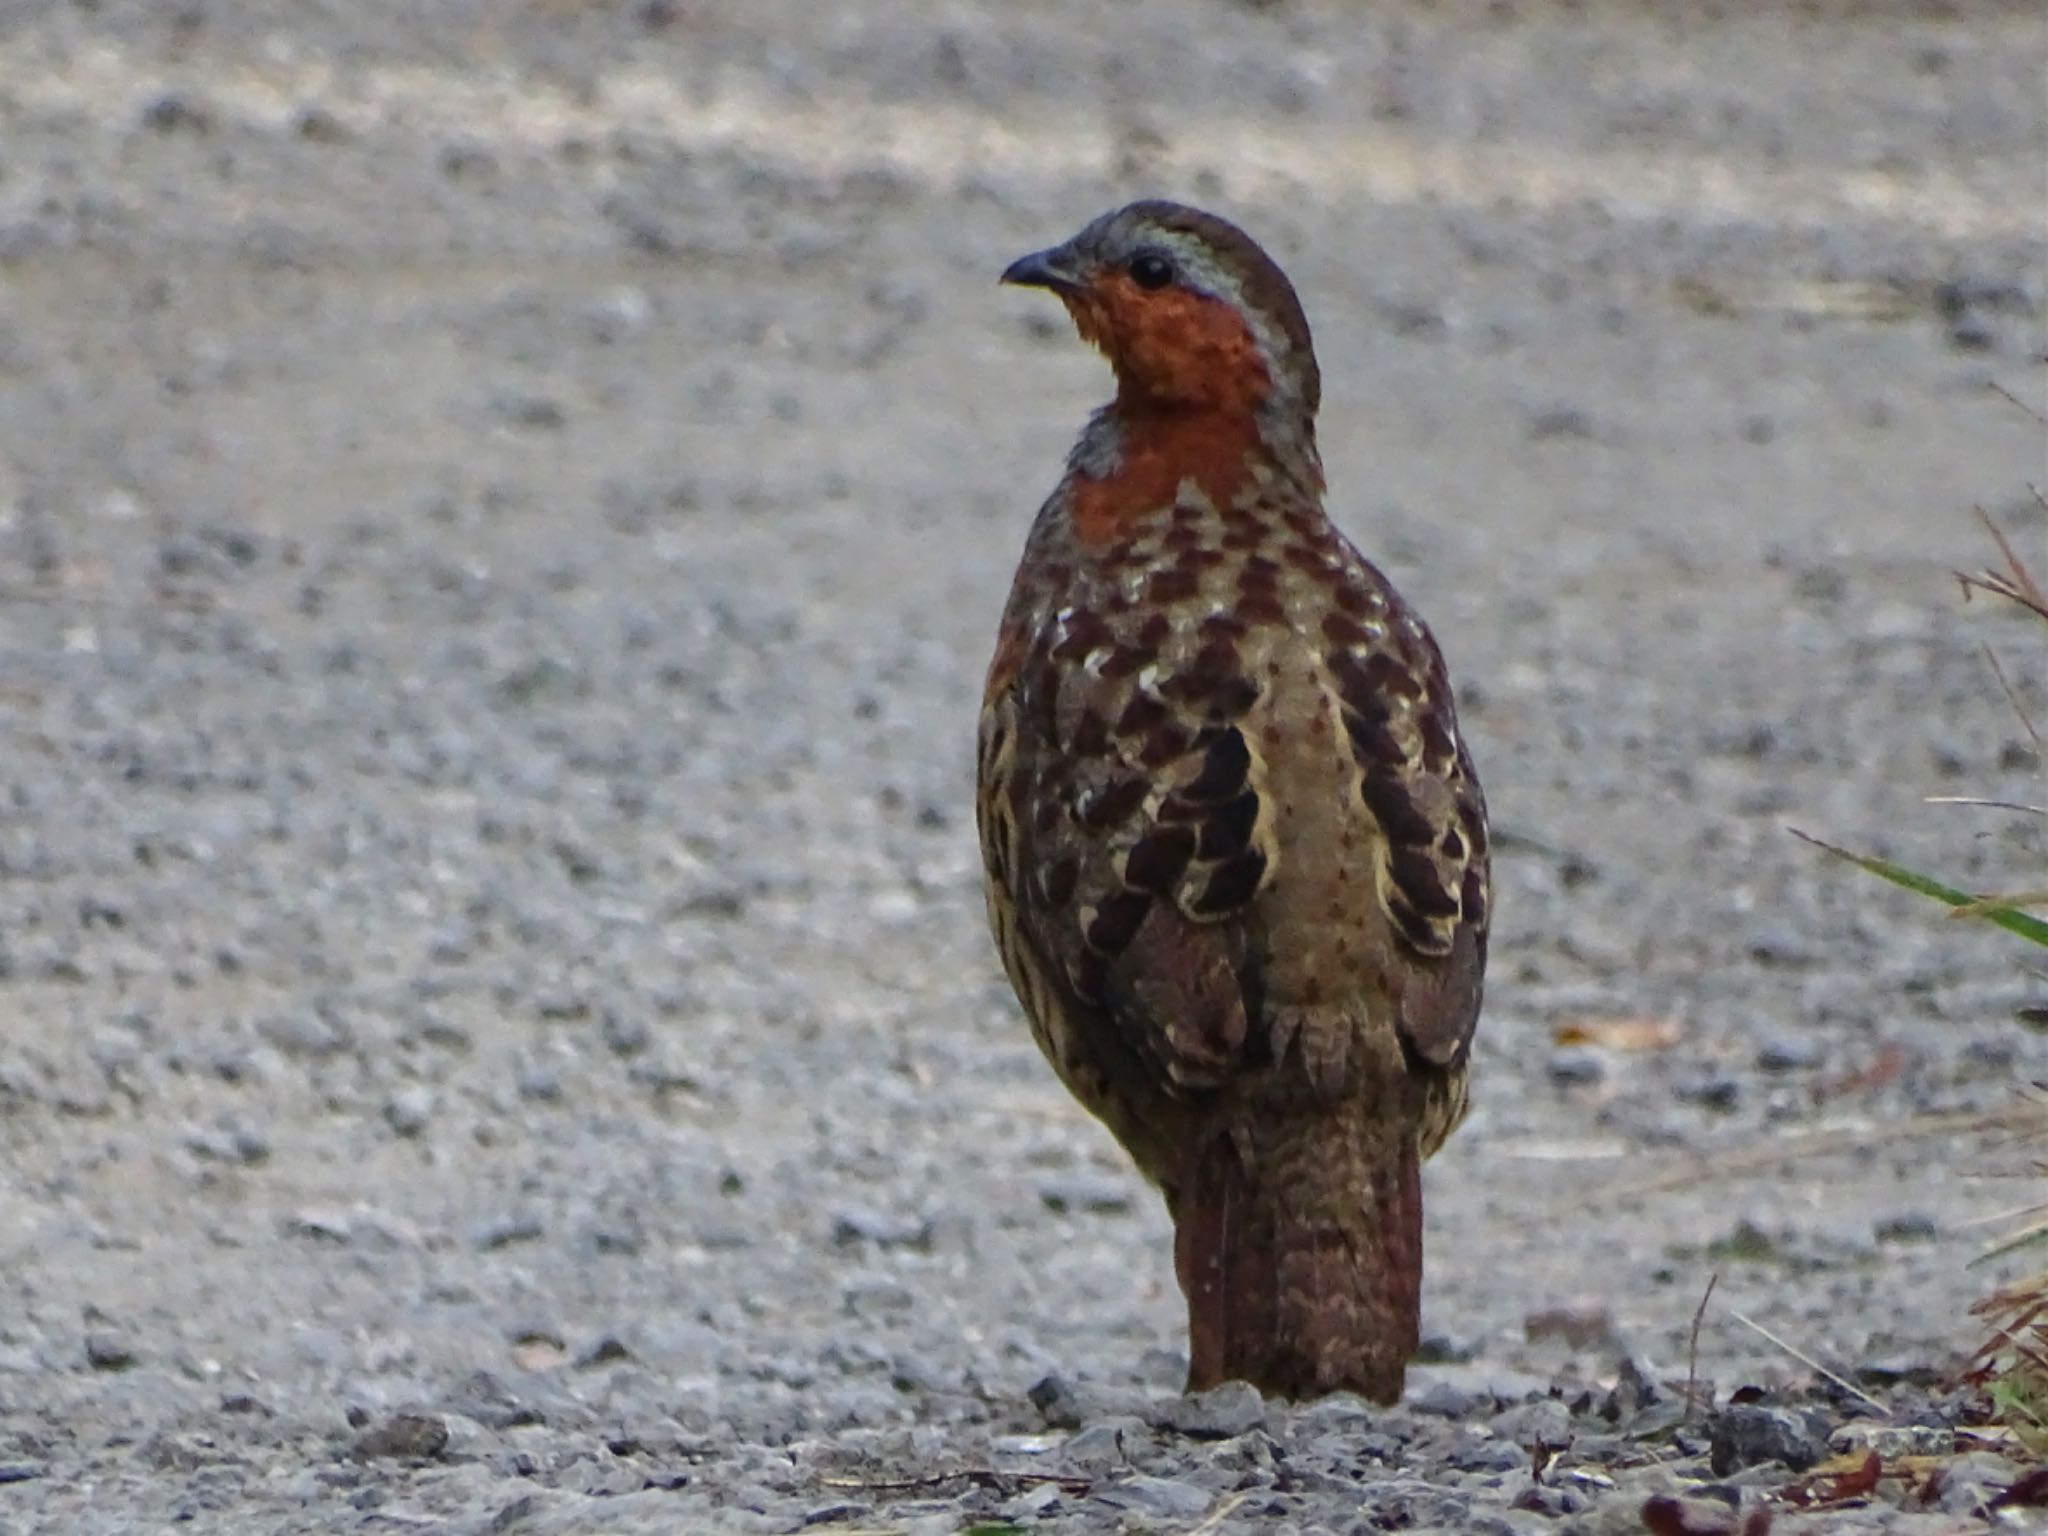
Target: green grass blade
[[2030, 928]]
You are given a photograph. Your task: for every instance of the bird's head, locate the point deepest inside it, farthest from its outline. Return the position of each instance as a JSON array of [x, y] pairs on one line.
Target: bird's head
[[1190, 312]]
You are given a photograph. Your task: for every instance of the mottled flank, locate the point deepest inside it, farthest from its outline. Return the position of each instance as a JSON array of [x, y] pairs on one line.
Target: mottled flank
[[1236, 852]]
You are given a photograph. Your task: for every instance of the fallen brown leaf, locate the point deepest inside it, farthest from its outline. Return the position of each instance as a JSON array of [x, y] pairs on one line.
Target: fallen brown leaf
[[2030, 1492], [1625, 1032]]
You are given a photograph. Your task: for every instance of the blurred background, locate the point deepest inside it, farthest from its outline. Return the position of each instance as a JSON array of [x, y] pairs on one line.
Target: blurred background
[[503, 509]]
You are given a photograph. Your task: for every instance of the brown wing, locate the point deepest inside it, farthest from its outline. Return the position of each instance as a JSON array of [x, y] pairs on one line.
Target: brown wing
[[1123, 831], [1416, 782]]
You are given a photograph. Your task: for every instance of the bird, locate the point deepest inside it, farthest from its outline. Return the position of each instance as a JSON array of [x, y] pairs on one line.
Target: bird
[[1236, 852]]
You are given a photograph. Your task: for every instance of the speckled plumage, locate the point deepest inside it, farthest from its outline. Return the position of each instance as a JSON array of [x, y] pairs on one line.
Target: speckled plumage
[[1236, 851]]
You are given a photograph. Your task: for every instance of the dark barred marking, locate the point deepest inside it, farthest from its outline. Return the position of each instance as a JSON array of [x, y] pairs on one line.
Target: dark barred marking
[[1439, 747], [1340, 629], [1222, 628], [1086, 631], [1373, 683], [1243, 537], [1045, 817], [1159, 859], [1143, 715], [1260, 574], [1116, 923], [1086, 975], [1172, 585], [1199, 681], [1475, 829], [1373, 741], [1356, 600], [993, 741], [1451, 845], [1124, 661], [1124, 557], [1224, 770], [1234, 698], [1056, 883], [1304, 520], [1112, 805], [1395, 810], [1387, 674], [1355, 689], [1305, 557], [1091, 735], [1261, 608], [1153, 632], [1229, 830], [1415, 871], [1164, 746], [1232, 885], [1475, 897], [1417, 931]]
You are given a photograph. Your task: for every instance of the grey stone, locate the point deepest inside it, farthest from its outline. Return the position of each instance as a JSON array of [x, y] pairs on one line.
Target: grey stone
[[854, 1225], [410, 1110], [1483, 1455], [1221, 1413], [1163, 1496], [1745, 1434], [1544, 1422], [109, 1351], [1106, 1444], [1788, 1053]]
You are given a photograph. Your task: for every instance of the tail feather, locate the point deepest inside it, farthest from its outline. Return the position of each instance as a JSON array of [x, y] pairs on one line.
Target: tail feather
[[1300, 1253]]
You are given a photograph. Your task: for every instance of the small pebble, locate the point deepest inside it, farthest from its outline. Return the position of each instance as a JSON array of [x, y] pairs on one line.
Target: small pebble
[[1221, 1413], [404, 1436], [106, 1351], [1091, 1193], [1788, 1053], [410, 1109], [1575, 1066], [1162, 1496]]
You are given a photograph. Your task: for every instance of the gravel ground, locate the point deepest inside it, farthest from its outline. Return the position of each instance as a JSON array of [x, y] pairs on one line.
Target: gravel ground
[[502, 511]]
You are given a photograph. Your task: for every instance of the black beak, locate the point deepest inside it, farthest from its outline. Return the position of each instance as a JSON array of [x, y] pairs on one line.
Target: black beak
[[1044, 269]]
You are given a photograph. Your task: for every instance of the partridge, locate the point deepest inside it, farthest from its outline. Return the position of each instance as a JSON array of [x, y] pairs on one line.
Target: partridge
[[1236, 853]]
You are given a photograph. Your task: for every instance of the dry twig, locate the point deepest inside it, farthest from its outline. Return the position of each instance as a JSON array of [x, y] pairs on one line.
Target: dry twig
[[1807, 1360], [1692, 1347]]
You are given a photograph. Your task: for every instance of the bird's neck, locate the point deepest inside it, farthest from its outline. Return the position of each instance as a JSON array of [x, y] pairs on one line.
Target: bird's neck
[[1136, 454]]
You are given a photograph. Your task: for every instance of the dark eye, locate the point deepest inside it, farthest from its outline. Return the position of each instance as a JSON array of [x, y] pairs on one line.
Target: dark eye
[[1149, 269]]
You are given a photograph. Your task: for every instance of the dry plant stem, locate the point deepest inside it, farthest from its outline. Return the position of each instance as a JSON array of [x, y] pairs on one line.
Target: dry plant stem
[[984, 1475], [2015, 583], [1807, 1360], [1989, 805], [1221, 1513], [1819, 1144], [2011, 902], [2012, 697], [1692, 1347], [1999, 389]]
